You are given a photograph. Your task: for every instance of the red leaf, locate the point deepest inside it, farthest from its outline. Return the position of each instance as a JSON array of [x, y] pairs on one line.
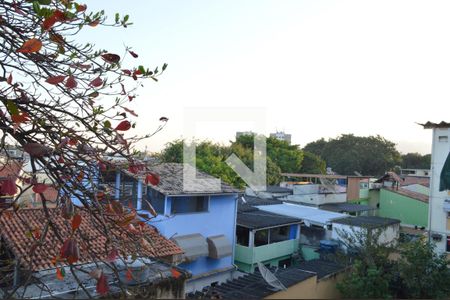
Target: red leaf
[[72, 142], [131, 97], [111, 58], [102, 285], [70, 251], [59, 274], [96, 82], [8, 187], [129, 275], [56, 79], [152, 178], [130, 111], [113, 255], [71, 82], [94, 23], [59, 15], [39, 188], [175, 273], [37, 150], [30, 46], [49, 22], [20, 118], [123, 126], [81, 7], [133, 54], [76, 221], [9, 80], [127, 72]]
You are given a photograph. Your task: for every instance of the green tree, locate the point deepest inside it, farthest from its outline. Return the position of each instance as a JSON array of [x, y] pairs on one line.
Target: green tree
[[416, 161], [312, 164], [423, 273], [373, 155]]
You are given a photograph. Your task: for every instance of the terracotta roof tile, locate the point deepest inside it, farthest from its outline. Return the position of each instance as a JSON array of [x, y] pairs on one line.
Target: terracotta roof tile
[[10, 168], [15, 231]]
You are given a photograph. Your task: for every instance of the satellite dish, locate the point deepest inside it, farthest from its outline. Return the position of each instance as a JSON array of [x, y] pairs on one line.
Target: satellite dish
[[270, 278]]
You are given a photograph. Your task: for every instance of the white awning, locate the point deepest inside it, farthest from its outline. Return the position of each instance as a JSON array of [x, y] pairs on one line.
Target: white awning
[[194, 245], [308, 214], [219, 246]]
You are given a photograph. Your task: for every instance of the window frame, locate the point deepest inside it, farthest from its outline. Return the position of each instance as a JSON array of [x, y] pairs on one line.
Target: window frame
[[207, 198]]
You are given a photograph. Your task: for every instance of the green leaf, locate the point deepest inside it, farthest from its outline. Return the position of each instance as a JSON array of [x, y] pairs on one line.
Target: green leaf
[[36, 7], [164, 67], [141, 69], [12, 108], [117, 18], [45, 2], [107, 124], [125, 19]]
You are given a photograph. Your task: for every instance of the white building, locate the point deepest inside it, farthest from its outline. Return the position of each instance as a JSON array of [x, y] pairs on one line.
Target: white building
[[282, 136], [415, 172], [439, 204]]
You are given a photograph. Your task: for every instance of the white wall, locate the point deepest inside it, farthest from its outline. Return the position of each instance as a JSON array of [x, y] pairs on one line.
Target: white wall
[[389, 235], [438, 217], [317, 199]]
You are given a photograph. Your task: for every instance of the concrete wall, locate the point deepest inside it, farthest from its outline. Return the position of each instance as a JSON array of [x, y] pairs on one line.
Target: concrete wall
[[318, 199], [389, 234], [408, 210], [438, 217], [312, 288]]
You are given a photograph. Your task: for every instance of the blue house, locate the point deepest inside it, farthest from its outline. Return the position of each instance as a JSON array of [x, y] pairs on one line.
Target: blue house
[[199, 218]]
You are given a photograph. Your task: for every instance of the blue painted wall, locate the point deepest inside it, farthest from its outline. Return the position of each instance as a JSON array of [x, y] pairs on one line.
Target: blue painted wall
[[219, 219]]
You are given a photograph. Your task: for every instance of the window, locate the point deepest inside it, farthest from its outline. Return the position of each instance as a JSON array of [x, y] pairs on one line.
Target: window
[[443, 138], [279, 234], [261, 237], [242, 236], [156, 199], [182, 205]]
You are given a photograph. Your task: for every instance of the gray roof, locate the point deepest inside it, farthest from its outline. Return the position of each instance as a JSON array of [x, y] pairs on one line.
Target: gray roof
[[345, 207], [171, 181], [252, 200], [256, 219], [429, 124], [253, 286], [367, 222], [278, 189]]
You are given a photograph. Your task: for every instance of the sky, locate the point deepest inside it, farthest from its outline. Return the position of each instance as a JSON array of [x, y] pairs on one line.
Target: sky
[[311, 68]]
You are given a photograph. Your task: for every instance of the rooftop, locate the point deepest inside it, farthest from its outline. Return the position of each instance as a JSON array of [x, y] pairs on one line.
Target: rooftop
[[253, 286], [257, 218], [252, 200], [409, 193], [278, 189], [367, 221], [346, 207], [10, 168], [429, 125], [312, 215], [323, 176], [16, 227], [172, 182]]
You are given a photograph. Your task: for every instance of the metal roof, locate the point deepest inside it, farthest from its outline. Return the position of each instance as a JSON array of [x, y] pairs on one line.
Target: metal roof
[[346, 207], [262, 219], [310, 214], [367, 222]]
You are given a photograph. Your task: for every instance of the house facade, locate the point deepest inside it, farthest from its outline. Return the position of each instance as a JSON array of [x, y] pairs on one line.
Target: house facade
[[265, 237], [439, 205], [199, 218]]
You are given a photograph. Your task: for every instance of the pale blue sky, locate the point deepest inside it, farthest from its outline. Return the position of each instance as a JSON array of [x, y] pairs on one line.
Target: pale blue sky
[[320, 68]]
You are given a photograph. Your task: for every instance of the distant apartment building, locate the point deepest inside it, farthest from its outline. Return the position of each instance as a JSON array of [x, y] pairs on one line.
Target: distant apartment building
[[439, 204], [415, 172], [282, 136]]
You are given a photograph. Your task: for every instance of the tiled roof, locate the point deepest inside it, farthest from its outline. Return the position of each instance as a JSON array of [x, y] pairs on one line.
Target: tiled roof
[[367, 221], [408, 180], [260, 219], [15, 231], [171, 181], [408, 193]]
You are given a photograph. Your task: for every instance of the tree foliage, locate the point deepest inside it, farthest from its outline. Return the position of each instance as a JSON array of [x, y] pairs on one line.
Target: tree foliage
[[418, 272], [416, 161], [66, 104], [373, 155]]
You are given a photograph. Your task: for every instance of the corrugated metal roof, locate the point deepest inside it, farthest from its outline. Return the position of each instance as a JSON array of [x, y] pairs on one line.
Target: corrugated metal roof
[[312, 215], [346, 207], [367, 221], [429, 125], [261, 219]]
